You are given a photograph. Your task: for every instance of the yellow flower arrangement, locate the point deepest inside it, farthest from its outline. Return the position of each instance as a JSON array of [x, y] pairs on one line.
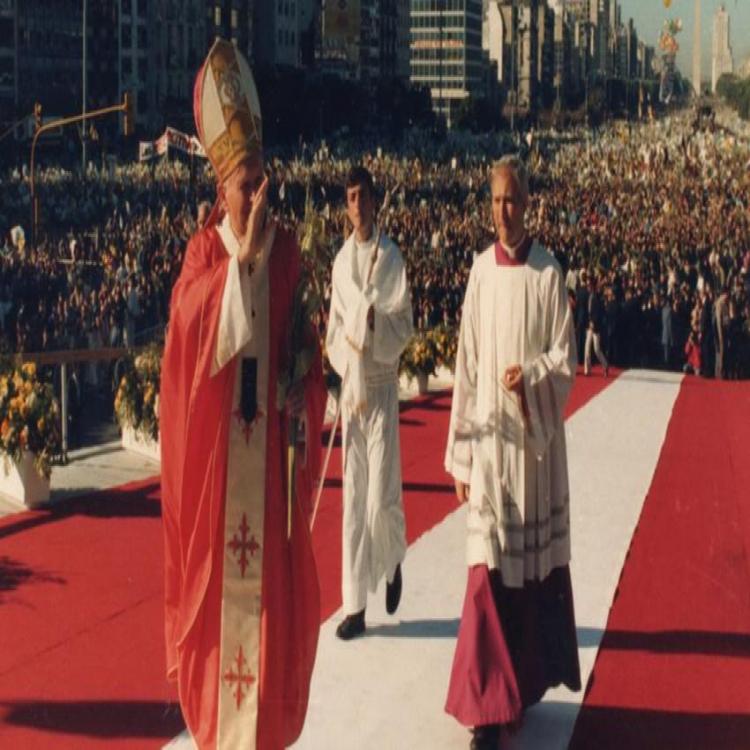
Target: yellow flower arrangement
[[445, 339], [137, 397], [419, 356], [427, 350], [29, 416]]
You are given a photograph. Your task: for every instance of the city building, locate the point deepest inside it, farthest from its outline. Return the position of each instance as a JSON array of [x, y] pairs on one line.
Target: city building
[[234, 20], [562, 76], [48, 55], [366, 39], [277, 40], [8, 72], [446, 52], [545, 53], [697, 73], [721, 51]]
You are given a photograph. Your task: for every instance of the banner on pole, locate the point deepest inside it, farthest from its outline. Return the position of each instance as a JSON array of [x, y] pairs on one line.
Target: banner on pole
[[170, 138]]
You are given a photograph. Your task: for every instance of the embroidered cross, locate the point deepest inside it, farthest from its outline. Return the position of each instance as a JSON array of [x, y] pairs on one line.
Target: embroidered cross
[[243, 545], [240, 679], [247, 427]]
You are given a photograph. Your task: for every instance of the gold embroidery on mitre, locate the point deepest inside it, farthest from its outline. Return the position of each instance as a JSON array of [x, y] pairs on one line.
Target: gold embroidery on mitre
[[242, 136]]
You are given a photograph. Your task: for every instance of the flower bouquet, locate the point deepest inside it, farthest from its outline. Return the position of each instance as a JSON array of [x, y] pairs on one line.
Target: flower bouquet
[[137, 398], [445, 339], [29, 418], [419, 359]]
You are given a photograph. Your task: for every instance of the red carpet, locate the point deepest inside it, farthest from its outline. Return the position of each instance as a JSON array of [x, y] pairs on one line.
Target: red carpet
[[673, 670], [82, 658]]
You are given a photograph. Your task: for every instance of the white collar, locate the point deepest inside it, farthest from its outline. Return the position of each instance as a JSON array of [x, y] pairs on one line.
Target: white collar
[[369, 242], [228, 237]]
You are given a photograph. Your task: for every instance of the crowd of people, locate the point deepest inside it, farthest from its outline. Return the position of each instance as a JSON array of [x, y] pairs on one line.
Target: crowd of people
[[650, 224]]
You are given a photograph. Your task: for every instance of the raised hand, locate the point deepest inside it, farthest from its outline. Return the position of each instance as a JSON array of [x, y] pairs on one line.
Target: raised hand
[[258, 228]]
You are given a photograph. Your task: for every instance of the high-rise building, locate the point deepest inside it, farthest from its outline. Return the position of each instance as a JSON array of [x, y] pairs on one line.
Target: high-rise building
[[182, 39], [140, 59], [563, 55], [645, 57], [599, 18], [721, 51], [545, 69], [369, 42], [366, 39], [234, 20], [697, 56], [388, 38], [8, 71], [403, 53], [497, 36], [446, 51], [276, 40], [49, 55]]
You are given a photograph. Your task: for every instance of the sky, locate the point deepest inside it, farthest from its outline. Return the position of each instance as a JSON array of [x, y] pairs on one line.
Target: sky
[[649, 16]]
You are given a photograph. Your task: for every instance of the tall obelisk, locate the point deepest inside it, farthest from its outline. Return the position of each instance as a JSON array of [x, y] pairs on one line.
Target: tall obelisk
[[697, 49]]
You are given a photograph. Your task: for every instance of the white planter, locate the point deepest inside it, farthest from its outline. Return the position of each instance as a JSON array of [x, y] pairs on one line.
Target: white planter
[[22, 483], [136, 443], [423, 380]]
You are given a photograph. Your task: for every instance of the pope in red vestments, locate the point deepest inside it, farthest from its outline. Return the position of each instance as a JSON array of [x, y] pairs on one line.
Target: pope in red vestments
[[242, 597]]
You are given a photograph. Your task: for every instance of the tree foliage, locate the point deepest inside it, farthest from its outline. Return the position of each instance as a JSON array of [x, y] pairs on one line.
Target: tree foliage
[[736, 92]]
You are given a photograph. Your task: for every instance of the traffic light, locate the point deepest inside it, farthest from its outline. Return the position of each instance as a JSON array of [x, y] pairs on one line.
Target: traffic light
[[129, 122], [37, 115]]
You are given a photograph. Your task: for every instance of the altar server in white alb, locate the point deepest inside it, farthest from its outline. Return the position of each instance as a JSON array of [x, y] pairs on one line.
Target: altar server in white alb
[[506, 451], [369, 325]]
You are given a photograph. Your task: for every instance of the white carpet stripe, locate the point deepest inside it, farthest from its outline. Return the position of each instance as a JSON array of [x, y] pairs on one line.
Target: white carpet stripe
[[387, 690]]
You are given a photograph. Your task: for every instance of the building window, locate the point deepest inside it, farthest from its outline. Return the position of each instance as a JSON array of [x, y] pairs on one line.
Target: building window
[[7, 32], [217, 16], [235, 18], [127, 67], [125, 7], [142, 37], [127, 40]]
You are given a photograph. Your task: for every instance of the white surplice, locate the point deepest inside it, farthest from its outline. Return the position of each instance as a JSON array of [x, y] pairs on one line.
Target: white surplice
[[518, 515], [374, 532]]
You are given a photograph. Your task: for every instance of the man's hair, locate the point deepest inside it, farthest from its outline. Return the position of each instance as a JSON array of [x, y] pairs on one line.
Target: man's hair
[[360, 176], [514, 164]]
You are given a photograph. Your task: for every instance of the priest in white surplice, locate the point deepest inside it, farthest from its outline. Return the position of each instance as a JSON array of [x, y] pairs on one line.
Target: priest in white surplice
[[369, 325], [506, 451]]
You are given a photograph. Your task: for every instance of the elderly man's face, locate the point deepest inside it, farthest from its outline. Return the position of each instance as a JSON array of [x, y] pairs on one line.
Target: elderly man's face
[[239, 190], [508, 207]]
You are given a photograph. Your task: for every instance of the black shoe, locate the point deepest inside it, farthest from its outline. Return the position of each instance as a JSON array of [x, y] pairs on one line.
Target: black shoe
[[486, 737], [393, 592], [352, 626]]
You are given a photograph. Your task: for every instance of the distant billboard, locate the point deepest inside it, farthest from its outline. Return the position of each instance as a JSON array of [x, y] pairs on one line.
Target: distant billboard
[[342, 23]]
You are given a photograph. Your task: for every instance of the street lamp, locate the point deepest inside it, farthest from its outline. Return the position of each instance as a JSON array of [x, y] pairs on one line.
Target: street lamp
[[587, 27], [513, 76], [83, 110], [519, 29]]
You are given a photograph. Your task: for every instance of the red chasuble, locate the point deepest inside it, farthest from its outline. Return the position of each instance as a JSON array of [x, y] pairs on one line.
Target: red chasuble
[[196, 412]]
